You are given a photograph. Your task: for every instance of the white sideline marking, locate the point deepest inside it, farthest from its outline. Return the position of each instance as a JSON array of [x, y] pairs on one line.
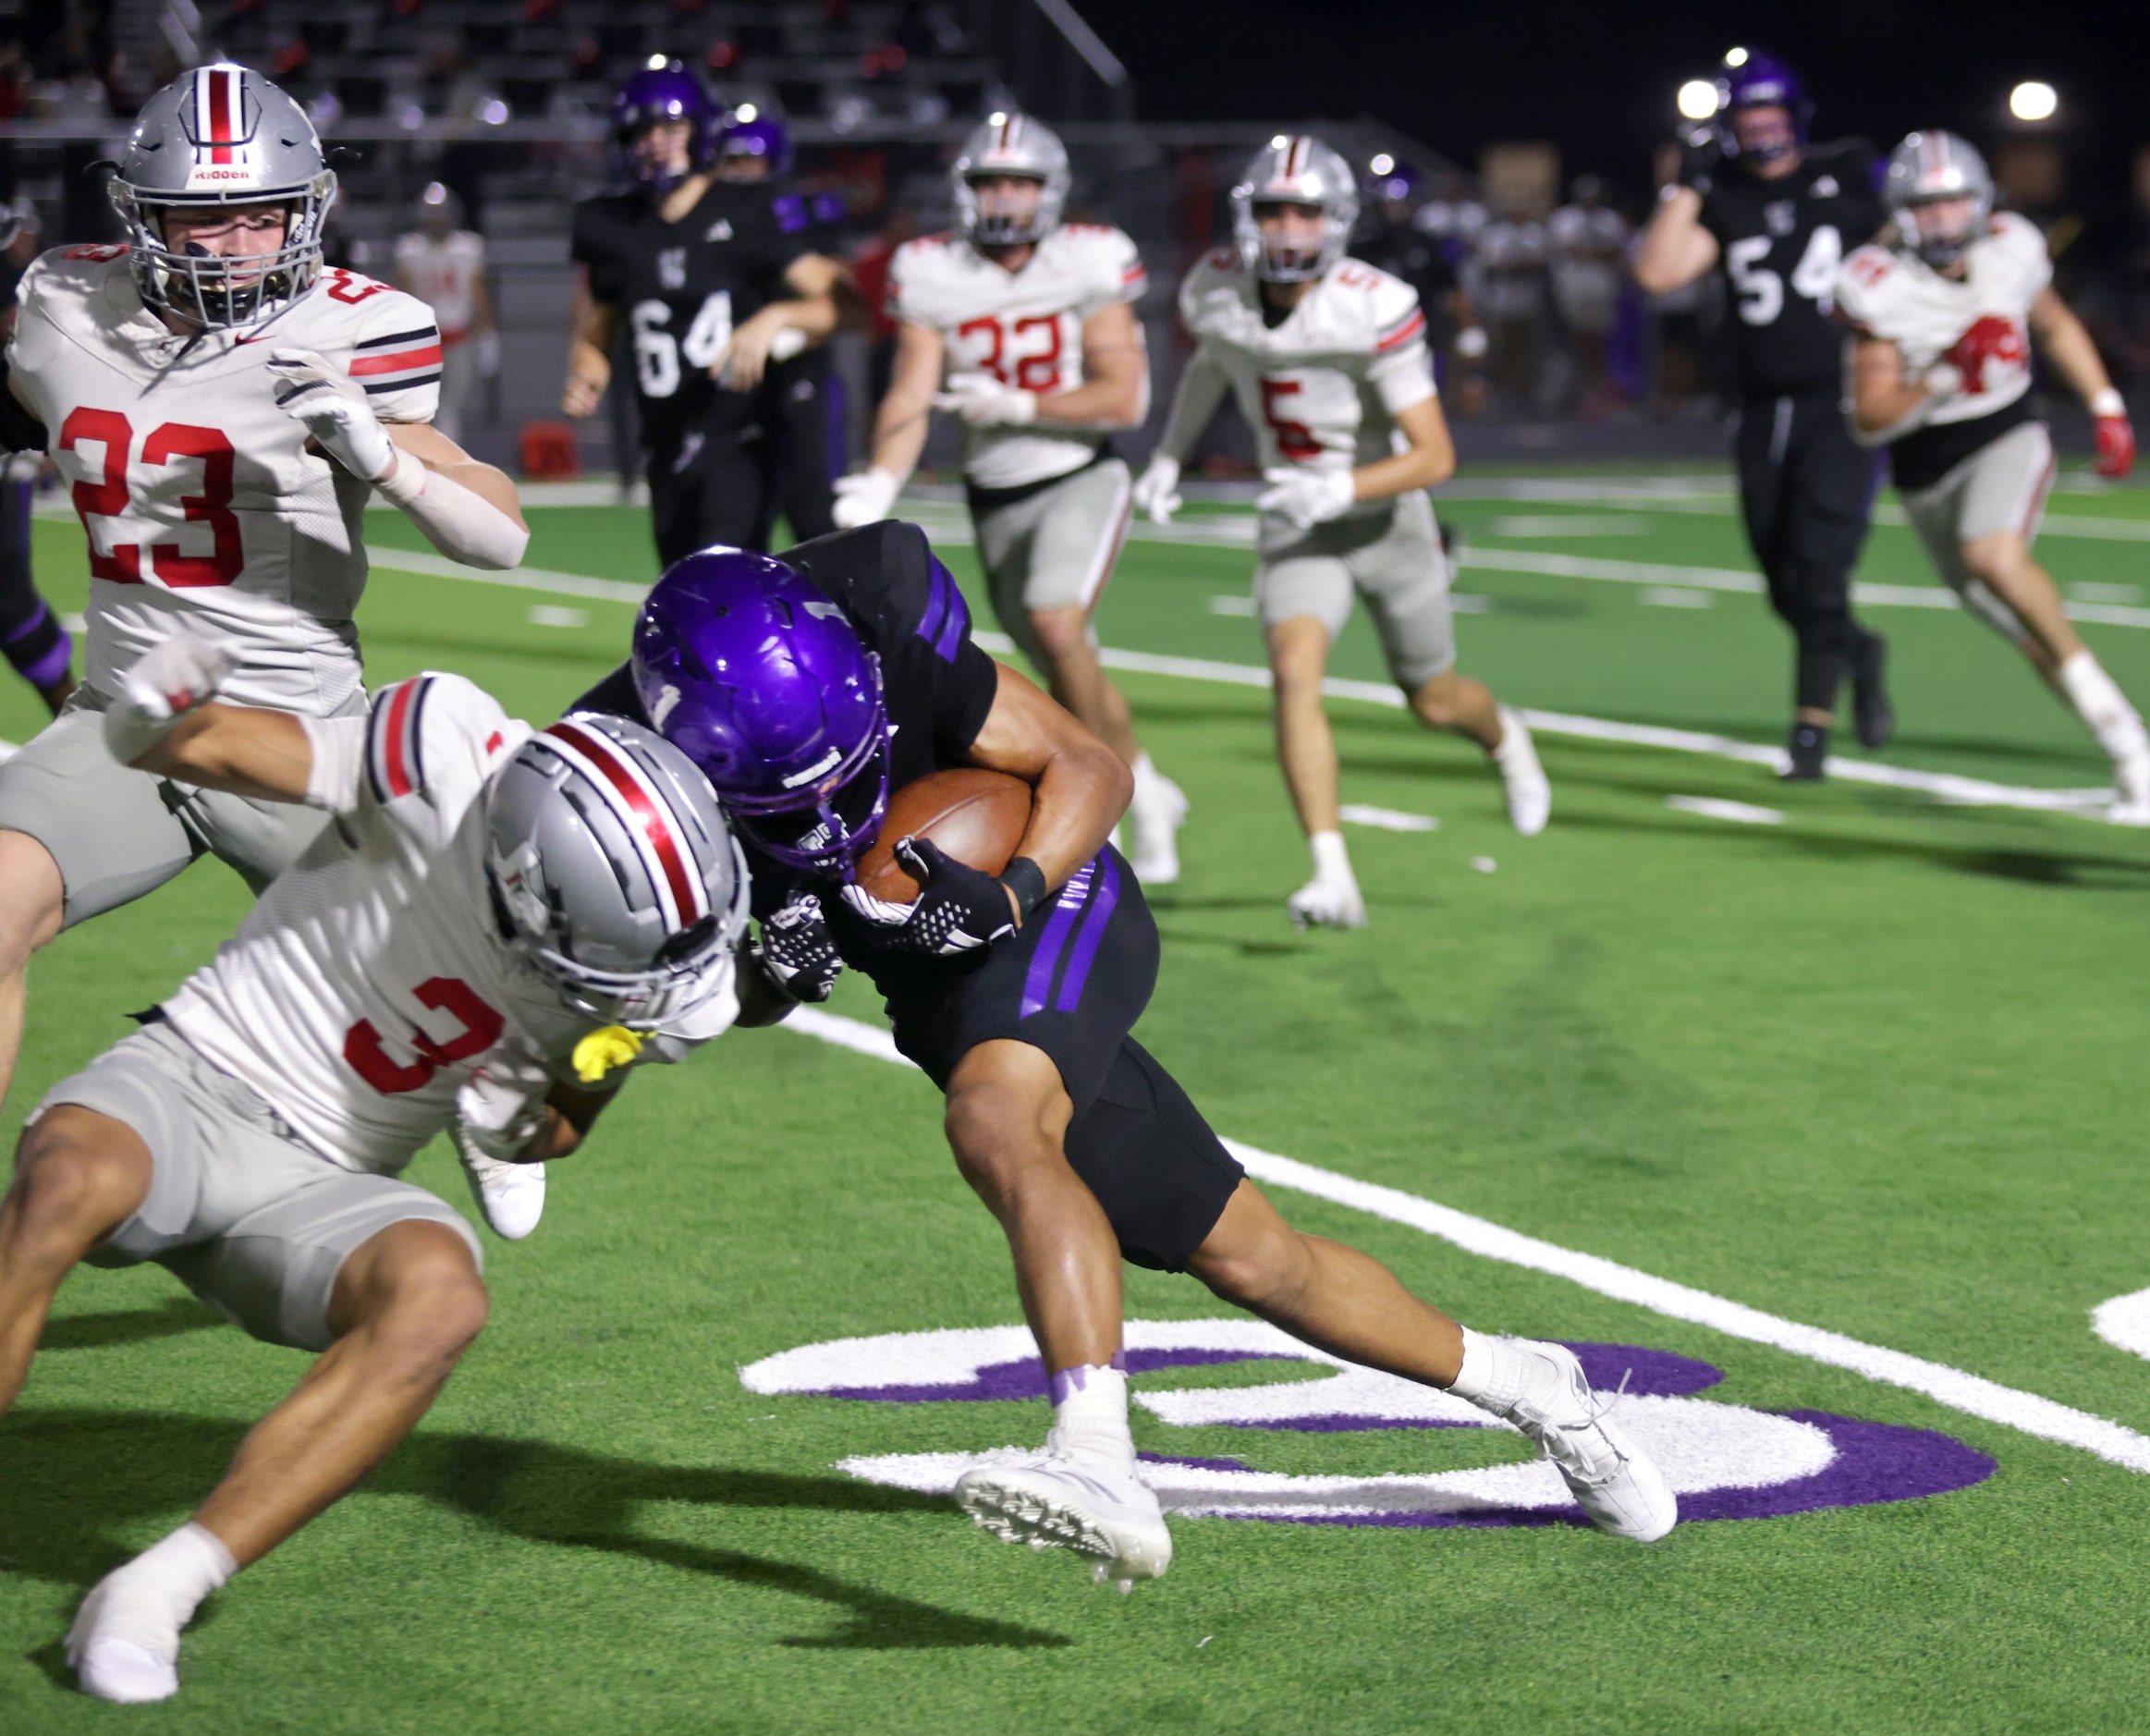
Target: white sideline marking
[[2124, 1321], [1969, 1394], [1679, 597], [1387, 819], [1711, 808], [1565, 524], [1232, 603], [1942, 786], [552, 615]]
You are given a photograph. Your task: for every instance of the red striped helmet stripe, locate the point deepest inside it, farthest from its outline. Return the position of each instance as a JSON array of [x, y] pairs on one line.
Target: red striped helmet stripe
[[221, 104], [1291, 155], [649, 819]]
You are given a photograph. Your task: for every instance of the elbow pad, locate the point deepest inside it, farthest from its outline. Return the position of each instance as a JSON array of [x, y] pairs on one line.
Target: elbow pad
[[462, 524]]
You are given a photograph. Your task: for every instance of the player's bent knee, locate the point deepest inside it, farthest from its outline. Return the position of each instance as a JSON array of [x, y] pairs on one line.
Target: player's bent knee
[[78, 1175], [414, 1286], [1060, 633], [32, 898]]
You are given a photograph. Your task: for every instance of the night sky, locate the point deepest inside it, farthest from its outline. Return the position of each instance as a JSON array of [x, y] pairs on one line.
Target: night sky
[[1599, 79]]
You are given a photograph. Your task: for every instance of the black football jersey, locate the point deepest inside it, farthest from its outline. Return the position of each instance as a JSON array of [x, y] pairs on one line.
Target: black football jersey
[[681, 287], [1781, 243], [936, 683]]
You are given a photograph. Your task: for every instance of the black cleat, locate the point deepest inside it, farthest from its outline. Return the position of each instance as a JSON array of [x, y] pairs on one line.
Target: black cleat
[[1873, 717], [1809, 749]]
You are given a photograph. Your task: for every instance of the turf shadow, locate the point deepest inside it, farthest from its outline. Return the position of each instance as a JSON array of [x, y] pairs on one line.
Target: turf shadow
[[88, 1332], [73, 1481]]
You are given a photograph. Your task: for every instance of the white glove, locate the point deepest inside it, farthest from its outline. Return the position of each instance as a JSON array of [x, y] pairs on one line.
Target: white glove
[[864, 498], [984, 402], [311, 389], [166, 682], [1156, 494], [1307, 497], [1944, 379], [501, 1106], [488, 353]]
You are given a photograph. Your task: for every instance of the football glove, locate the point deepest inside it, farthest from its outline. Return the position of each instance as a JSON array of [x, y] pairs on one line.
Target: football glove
[[1156, 494], [984, 402], [1701, 153], [2116, 435], [312, 390], [864, 499], [959, 909], [500, 1108], [167, 681], [1307, 497], [797, 953]]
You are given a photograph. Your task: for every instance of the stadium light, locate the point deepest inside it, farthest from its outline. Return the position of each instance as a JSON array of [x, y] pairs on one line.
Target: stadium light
[[745, 112], [1381, 164], [1735, 57], [2033, 100], [1698, 98], [1278, 143], [656, 63]]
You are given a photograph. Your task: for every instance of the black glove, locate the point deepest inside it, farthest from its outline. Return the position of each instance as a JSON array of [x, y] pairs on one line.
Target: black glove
[[797, 953], [959, 908], [1702, 155]]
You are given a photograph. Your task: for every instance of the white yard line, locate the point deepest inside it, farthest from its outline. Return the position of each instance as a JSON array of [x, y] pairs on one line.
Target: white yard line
[[1969, 1394], [1713, 808], [1942, 786]]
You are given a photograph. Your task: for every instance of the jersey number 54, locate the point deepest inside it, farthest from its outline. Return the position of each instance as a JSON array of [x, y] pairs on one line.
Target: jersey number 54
[[1761, 290]]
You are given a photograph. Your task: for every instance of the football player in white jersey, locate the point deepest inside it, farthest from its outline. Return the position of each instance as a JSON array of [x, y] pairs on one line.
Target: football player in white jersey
[[491, 922], [222, 407], [1024, 326], [1327, 358], [1944, 312]]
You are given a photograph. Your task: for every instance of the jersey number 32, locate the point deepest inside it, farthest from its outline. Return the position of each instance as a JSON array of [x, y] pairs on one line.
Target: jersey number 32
[[1761, 290]]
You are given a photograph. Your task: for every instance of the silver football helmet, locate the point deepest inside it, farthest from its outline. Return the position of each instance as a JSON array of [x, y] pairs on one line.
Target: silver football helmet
[[1295, 169], [222, 135], [620, 883], [1926, 169], [1010, 144]]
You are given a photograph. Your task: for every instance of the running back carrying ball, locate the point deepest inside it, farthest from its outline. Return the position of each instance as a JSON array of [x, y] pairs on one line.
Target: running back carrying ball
[[975, 815]]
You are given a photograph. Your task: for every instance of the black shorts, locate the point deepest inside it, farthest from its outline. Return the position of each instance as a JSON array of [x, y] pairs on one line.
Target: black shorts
[[1072, 984]]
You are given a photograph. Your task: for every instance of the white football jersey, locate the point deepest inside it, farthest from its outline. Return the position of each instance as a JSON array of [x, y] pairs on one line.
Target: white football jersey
[[1979, 323], [202, 506], [371, 979], [443, 273], [1323, 387], [1024, 328]]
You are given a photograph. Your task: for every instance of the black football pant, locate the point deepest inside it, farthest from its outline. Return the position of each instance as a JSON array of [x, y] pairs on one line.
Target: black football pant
[[809, 416], [714, 488], [1806, 489]]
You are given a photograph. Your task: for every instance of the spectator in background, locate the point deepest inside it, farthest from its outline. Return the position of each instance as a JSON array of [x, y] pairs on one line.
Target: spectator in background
[[1507, 277], [1396, 241], [1587, 241], [444, 265]]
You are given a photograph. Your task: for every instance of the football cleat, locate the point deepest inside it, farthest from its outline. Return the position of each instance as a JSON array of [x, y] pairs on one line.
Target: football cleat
[[1155, 817], [1530, 797], [1090, 1504], [123, 1647], [511, 1197], [1806, 755], [1327, 902], [1873, 717], [1612, 1479], [2131, 791]]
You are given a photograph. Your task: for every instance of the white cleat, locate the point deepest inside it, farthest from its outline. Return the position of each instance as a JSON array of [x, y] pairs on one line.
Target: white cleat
[[1089, 1505], [2131, 791], [1612, 1479], [1530, 797], [511, 1197], [122, 1647], [1155, 817], [1327, 902]]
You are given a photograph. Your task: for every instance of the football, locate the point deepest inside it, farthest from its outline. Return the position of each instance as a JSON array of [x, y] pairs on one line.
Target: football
[[977, 816]]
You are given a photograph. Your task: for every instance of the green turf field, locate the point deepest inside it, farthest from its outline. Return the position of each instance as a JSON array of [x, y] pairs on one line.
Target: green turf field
[[1873, 1068]]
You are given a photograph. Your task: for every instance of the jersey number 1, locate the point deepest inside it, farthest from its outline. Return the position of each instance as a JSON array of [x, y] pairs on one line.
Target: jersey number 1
[[1762, 290], [109, 499]]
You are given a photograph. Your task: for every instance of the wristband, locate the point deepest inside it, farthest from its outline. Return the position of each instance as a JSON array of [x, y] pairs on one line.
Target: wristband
[[1027, 881], [405, 480], [2107, 403]]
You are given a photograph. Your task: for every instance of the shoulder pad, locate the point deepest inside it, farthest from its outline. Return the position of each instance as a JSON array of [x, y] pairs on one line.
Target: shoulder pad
[[432, 738]]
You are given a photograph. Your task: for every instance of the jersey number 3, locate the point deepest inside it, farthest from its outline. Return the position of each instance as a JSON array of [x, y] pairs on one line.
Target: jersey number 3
[[1762, 290], [109, 499], [482, 1028]]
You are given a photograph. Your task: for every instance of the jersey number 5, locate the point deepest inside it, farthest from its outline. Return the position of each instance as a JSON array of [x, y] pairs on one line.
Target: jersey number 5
[[482, 1028], [1294, 439], [108, 499], [1761, 290]]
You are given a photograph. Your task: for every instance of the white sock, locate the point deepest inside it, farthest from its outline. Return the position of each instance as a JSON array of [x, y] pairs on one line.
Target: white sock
[[177, 1571], [1331, 860], [1090, 1412], [2117, 725], [127, 1638], [1498, 1373]]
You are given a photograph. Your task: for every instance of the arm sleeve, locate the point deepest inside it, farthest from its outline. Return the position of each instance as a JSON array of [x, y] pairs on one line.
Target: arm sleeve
[[396, 356], [430, 744], [1194, 401]]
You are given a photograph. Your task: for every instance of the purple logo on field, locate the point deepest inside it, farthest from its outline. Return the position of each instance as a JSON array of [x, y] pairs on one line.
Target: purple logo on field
[[1725, 1460]]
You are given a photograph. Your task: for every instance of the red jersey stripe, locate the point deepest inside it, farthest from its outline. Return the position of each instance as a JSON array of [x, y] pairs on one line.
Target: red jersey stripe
[[398, 361], [1403, 334], [395, 761]]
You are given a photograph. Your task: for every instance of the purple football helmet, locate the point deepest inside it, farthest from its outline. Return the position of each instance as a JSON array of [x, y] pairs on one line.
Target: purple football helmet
[[763, 139], [1761, 80], [653, 96], [761, 681]]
